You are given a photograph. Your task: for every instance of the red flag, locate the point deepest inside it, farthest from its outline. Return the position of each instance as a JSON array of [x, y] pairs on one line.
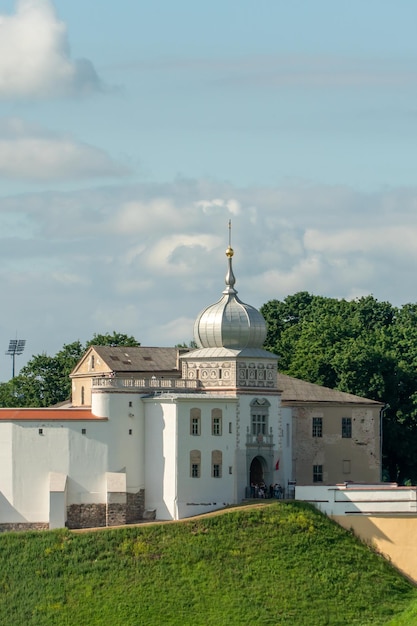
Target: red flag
[[277, 465]]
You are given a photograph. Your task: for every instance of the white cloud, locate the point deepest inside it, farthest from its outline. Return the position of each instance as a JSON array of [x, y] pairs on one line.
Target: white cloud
[[77, 273], [34, 55], [218, 205], [31, 153]]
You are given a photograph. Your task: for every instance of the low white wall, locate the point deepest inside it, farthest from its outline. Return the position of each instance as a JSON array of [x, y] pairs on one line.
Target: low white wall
[[353, 498]]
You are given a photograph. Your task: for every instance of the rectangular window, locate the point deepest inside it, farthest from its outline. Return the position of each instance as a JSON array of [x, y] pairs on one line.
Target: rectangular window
[[216, 463], [346, 466], [317, 473], [195, 425], [217, 426], [230, 469], [83, 431], [259, 424], [195, 421], [346, 427], [195, 470], [317, 427], [230, 427]]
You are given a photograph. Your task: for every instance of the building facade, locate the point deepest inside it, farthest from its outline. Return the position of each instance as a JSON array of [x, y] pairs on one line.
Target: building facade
[[167, 433]]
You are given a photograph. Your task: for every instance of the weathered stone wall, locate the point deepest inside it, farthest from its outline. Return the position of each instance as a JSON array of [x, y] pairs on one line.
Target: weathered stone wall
[[135, 506], [24, 526], [116, 514], [86, 515]]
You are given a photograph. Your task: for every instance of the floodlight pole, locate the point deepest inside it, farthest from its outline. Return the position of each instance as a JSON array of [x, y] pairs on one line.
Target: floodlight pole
[[16, 347]]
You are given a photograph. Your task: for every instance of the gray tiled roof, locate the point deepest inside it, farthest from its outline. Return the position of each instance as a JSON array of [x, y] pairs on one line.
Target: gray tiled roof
[[299, 391], [139, 359], [216, 353]]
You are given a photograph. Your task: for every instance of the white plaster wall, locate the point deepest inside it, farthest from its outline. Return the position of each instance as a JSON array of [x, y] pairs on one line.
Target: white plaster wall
[[60, 448], [6, 450], [126, 451], [161, 457], [340, 500], [206, 493]]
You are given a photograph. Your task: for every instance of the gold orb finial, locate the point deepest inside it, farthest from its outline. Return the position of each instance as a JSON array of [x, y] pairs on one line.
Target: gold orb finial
[[229, 252]]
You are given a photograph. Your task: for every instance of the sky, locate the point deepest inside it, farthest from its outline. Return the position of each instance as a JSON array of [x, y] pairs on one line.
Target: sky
[[131, 132]]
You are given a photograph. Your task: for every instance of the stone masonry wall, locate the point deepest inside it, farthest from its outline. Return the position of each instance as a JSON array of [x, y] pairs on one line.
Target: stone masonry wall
[[135, 506], [86, 515], [23, 526]]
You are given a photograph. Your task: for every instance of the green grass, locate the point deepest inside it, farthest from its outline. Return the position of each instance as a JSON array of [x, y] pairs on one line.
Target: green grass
[[283, 563]]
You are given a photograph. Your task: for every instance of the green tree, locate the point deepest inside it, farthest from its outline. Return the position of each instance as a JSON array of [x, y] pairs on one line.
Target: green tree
[[116, 339], [364, 347], [45, 380]]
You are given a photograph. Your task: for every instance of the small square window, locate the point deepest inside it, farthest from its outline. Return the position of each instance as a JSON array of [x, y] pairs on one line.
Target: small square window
[[83, 431], [40, 431], [130, 403]]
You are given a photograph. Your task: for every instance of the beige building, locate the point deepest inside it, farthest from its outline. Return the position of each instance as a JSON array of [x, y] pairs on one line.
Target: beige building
[[139, 364], [335, 435]]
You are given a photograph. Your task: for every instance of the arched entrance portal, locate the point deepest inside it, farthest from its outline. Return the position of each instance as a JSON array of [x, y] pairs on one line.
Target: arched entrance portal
[[256, 474]]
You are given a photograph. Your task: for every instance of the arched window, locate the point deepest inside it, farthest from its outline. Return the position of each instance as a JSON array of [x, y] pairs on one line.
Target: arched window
[[195, 463], [92, 361], [216, 463], [259, 409], [195, 421], [82, 395], [216, 422]]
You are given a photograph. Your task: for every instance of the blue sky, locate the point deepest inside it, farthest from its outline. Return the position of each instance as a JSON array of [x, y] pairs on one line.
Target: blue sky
[[131, 132]]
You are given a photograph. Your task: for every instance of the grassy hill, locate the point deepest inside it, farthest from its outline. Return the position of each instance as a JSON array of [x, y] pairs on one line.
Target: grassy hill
[[280, 563]]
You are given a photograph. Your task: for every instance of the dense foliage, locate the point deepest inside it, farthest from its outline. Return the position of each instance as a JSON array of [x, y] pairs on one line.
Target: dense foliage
[[364, 347], [283, 563], [45, 380]]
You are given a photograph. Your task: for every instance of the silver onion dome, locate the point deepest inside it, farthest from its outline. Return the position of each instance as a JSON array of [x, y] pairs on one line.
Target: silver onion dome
[[230, 323]]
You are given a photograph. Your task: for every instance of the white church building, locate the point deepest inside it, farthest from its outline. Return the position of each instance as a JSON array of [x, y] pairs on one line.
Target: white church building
[[169, 433]]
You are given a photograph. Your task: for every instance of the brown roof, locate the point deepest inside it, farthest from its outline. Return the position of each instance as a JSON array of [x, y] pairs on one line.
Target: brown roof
[[139, 359], [295, 391], [48, 415]]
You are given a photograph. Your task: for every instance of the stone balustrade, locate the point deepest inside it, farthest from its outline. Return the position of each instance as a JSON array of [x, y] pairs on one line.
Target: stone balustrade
[[119, 383]]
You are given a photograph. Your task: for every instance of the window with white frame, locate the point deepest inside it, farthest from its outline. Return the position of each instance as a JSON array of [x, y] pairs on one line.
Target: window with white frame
[[216, 463], [259, 416], [195, 463], [216, 422], [195, 421]]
